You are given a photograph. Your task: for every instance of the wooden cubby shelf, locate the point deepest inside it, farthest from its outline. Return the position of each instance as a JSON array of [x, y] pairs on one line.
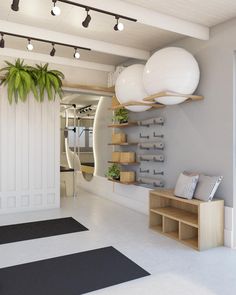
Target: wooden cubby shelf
[[195, 223]]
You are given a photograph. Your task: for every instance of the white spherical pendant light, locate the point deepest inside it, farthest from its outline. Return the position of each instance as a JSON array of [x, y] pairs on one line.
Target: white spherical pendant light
[[171, 69], [129, 87]]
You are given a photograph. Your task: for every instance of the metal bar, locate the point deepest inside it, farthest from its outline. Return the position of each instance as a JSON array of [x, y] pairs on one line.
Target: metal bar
[[97, 10], [68, 104], [74, 173], [45, 41], [156, 135], [143, 136], [157, 173], [143, 171]]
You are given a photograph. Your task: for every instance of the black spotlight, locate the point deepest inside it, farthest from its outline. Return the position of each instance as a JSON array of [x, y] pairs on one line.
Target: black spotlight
[[87, 20], [118, 26], [2, 42], [53, 51], [15, 5], [55, 10]]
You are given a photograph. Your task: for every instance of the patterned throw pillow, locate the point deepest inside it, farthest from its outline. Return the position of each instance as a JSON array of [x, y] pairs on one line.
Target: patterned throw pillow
[[207, 187], [186, 185]]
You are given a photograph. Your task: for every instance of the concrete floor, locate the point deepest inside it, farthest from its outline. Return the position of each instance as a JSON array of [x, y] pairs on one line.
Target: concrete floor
[[175, 268]]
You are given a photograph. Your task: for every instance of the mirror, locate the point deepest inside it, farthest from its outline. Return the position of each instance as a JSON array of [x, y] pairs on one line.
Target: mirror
[[78, 115]]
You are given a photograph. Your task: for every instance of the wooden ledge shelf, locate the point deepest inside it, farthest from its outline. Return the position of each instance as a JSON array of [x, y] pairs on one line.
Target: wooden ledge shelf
[[137, 103], [124, 143], [123, 125], [194, 223], [150, 100], [190, 97], [124, 163]]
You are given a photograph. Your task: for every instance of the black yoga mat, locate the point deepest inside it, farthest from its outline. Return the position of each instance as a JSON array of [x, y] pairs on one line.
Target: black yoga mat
[[39, 229], [70, 275]]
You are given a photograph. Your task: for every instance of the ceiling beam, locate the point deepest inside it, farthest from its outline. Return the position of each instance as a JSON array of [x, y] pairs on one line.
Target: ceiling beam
[[152, 18], [34, 56], [96, 45]]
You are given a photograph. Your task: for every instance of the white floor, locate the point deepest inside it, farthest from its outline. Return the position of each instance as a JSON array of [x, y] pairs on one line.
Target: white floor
[[175, 268]]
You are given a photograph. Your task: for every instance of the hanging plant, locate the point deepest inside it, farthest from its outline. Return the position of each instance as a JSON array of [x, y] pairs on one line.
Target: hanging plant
[[47, 81], [19, 81]]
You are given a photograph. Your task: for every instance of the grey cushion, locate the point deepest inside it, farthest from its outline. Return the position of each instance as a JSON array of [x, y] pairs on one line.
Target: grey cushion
[[186, 185], [206, 187]]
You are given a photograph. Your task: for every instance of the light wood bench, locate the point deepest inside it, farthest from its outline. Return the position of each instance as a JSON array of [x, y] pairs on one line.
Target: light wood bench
[[194, 223]]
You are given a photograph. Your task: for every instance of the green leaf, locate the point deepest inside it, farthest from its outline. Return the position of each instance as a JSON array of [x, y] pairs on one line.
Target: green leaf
[[34, 90], [10, 92], [48, 88], [26, 78], [17, 80]]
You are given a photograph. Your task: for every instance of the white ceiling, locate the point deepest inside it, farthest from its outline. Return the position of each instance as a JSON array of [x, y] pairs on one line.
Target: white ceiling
[[101, 28], [136, 35], [204, 12]]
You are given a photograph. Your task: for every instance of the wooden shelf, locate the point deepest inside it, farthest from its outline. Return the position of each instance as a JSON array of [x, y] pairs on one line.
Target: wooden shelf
[[123, 125], [178, 214], [127, 183], [122, 163], [157, 228], [150, 100], [194, 223], [189, 97], [154, 105], [173, 235], [124, 143], [193, 243]]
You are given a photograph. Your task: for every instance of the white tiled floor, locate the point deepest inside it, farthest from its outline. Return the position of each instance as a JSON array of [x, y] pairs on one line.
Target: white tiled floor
[[175, 268]]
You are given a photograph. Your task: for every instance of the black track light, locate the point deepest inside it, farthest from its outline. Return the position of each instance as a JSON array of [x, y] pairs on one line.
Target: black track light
[[15, 5], [53, 51], [2, 42], [87, 20], [55, 10], [76, 54], [30, 46], [118, 26]]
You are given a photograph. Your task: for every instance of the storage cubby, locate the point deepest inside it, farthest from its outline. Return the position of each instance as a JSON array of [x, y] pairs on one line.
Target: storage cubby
[[170, 227], [156, 222], [195, 223], [189, 235]]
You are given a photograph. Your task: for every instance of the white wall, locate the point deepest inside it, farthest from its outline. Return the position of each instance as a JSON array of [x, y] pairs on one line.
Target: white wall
[[29, 155]]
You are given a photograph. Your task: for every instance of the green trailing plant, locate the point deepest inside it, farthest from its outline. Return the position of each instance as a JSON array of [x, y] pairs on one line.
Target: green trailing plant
[[113, 172], [121, 116], [22, 79], [47, 81], [19, 81]]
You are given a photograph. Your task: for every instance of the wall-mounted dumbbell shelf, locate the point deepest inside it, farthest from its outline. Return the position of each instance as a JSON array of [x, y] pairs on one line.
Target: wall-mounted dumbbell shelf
[[195, 223], [139, 146]]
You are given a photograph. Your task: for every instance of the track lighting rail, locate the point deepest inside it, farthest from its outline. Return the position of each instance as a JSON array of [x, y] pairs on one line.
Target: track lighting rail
[[45, 41], [96, 9]]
